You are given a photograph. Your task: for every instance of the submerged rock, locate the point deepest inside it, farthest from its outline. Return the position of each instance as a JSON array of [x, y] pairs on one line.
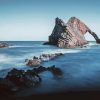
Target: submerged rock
[[3, 45], [53, 69], [70, 34]]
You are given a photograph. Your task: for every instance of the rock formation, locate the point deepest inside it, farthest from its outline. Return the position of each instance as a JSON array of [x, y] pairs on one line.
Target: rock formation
[[23, 78], [17, 80], [36, 61], [53, 69], [3, 45], [70, 34]]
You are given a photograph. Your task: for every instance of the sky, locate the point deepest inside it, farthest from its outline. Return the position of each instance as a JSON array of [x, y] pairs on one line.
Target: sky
[[34, 20]]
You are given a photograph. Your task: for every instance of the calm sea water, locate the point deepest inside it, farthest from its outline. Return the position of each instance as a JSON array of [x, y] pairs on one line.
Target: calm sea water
[[80, 66]]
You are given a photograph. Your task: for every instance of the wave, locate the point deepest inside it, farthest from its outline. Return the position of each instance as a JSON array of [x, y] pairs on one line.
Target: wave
[[15, 61], [92, 43], [10, 61], [4, 58], [19, 46], [61, 51]]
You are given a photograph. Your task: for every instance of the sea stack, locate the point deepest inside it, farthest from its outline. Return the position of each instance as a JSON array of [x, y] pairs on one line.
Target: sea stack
[[70, 34]]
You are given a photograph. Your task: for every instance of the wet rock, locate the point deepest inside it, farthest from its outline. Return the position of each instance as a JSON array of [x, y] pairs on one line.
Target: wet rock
[[3, 45], [55, 71], [33, 62], [22, 78], [70, 34], [16, 76], [31, 78], [17, 80], [39, 69], [36, 61], [47, 57]]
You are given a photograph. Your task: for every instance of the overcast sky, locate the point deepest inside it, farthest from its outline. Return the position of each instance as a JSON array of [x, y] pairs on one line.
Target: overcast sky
[[34, 19]]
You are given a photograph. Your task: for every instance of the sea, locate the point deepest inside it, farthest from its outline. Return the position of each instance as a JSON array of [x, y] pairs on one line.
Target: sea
[[80, 66]]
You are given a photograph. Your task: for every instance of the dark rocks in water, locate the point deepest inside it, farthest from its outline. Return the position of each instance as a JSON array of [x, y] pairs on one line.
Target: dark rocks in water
[[16, 76], [53, 69], [56, 71], [32, 78], [70, 34], [47, 57], [3, 45], [39, 69], [22, 78], [36, 61], [33, 62], [18, 79]]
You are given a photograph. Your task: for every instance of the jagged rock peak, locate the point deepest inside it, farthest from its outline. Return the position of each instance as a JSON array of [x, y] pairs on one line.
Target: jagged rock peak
[[79, 25], [59, 22]]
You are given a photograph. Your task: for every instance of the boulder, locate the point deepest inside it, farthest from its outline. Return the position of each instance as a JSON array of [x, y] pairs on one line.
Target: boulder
[[70, 34]]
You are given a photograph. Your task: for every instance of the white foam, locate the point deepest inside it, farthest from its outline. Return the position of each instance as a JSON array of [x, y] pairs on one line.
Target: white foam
[[4, 58], [19, 46], [62, 51], [7, 59], [91, 44]]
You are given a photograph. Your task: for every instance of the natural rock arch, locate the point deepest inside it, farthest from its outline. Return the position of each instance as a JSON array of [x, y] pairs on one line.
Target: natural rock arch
[[70, 34]]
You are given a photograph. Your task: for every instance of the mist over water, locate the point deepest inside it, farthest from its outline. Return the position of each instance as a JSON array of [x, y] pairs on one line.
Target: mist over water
[[80, 66]]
